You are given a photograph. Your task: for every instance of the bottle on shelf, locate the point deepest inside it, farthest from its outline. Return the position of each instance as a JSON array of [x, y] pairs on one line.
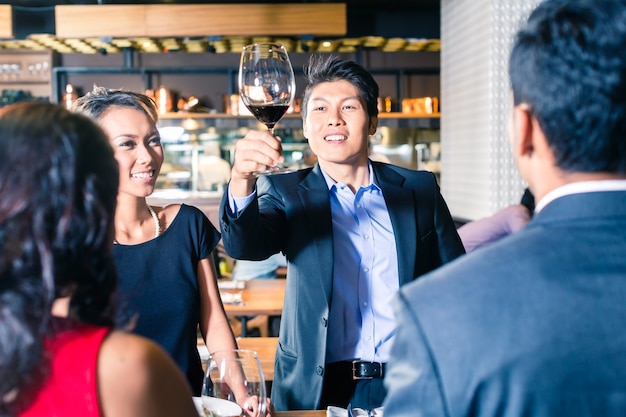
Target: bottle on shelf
[[70, 96]]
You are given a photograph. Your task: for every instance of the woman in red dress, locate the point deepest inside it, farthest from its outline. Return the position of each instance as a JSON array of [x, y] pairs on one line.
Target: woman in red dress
[[58, 186]]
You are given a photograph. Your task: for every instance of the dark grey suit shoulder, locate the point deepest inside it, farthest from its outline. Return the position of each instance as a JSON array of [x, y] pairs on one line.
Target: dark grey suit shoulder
[[532, 325]]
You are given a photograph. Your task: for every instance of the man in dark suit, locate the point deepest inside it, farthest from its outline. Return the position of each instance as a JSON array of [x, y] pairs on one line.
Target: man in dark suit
[[353, 231], [535, 324]]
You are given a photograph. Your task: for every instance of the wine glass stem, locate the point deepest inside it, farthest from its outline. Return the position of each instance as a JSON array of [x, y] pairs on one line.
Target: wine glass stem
[[271, 130]]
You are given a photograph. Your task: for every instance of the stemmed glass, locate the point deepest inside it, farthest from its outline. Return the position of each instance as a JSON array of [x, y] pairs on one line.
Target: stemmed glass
[[266, 85], [234, 385]]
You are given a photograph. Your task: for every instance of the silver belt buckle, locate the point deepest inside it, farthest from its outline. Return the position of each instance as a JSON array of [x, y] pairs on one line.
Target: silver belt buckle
[[354, 370]]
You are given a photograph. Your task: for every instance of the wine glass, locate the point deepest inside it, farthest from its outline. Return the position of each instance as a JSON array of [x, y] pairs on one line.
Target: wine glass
[[266, 86], [234, 385]]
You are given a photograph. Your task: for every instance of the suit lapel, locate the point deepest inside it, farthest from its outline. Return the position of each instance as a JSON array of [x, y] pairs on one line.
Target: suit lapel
[[402, 211], [313, 193]]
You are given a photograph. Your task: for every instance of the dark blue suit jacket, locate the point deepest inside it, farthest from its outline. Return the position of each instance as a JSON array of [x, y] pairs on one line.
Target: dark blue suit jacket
[[292, 214], [533, 325]]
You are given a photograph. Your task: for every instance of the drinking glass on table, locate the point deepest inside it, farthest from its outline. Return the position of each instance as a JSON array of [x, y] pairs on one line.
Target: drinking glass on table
[[266, 86], [234, 385]]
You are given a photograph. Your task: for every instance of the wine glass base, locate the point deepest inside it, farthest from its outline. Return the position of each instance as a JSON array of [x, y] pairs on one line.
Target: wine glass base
[[274, 171]]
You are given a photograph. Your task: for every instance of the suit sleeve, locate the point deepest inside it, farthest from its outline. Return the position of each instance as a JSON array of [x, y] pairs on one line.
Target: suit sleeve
[[412, 382], [450, 244], [255, 232]]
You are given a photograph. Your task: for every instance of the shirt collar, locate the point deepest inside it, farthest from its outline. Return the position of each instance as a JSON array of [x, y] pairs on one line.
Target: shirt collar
[[578, 188], [332, 183]]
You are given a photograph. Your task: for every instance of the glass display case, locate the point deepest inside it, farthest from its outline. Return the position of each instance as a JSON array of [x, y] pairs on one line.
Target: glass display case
[[199, 148]]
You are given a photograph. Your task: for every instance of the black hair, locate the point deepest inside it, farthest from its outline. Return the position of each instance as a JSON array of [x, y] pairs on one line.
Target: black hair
[[569, 65], [96, 103], [58, 188], [321, 70]]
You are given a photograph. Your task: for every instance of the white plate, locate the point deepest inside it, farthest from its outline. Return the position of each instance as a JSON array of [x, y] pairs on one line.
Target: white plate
[[231, 284], [220, 407], [230, 298]]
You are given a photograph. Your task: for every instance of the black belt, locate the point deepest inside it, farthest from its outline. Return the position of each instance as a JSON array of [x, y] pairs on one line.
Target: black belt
[[367, 370]]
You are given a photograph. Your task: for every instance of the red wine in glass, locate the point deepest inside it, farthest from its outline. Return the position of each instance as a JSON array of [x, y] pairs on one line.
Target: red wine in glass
[[266, 86], [269, 115]]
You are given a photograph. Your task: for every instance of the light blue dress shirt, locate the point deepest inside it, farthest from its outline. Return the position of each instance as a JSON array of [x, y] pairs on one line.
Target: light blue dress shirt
[[365, 274], [361, 323]]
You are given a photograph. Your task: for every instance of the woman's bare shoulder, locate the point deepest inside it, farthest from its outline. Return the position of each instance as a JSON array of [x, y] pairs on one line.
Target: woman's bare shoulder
[[136, 377]]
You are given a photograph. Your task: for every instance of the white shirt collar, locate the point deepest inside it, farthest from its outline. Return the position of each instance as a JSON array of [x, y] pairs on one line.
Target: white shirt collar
[[580, 187]]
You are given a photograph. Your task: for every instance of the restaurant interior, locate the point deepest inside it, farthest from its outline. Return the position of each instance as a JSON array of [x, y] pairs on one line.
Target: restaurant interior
[[440, 111], [462, 139], [400, 41]]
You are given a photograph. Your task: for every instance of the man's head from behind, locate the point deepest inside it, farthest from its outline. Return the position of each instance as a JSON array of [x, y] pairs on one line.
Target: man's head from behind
[[568, 70]]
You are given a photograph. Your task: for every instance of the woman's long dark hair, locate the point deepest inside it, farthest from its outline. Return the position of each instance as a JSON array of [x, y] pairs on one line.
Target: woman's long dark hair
[[58, 187]]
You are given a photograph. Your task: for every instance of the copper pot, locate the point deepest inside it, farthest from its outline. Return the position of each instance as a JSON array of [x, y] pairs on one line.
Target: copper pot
[[163, 98]]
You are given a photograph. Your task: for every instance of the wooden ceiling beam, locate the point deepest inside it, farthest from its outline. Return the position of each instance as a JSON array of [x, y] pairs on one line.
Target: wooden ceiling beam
[[192, 20], [85, 21], [6, 22]]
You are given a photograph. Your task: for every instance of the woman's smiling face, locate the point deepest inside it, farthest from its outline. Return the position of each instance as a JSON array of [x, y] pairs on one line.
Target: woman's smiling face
[[137, 146]]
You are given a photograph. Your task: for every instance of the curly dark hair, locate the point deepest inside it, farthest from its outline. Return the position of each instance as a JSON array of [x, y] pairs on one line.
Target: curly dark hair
[[331, 68], [569, 65], [58, 188]]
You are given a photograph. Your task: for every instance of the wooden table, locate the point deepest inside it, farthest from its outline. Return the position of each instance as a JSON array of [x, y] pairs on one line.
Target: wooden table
[[260, 297], [265, 347]]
